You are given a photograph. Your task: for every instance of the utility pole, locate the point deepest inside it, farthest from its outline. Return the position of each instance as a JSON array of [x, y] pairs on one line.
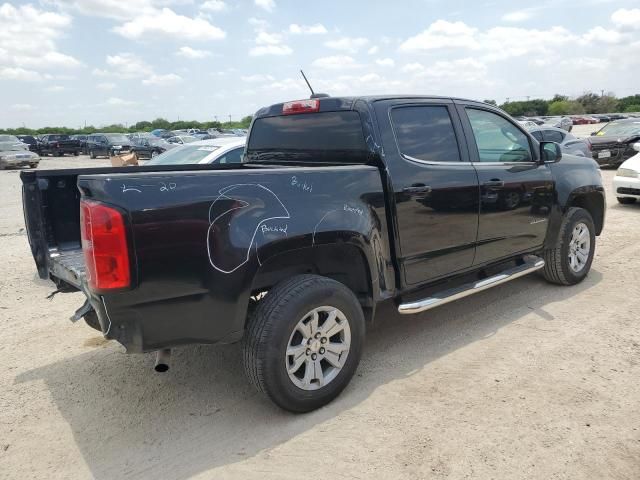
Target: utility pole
[[229, 118], [507, 100], [528, 97], [602, 92]]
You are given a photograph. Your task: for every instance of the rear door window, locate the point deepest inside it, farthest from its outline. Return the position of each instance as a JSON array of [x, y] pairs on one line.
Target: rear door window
[[425, 133], [332, 137]]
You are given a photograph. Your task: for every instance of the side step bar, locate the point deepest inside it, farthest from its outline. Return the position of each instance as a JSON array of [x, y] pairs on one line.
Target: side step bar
[[462, 291]]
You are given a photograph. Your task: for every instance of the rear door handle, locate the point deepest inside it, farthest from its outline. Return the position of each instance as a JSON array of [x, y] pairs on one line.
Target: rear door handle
[[494, 183], [417, 189]]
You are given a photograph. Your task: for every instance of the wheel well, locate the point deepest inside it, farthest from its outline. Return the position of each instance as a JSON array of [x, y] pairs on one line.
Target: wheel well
[[594, 204], [343, 263]]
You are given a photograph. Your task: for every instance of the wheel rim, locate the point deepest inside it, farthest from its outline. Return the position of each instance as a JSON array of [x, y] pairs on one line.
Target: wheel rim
[[318, 348], [154, 154], [579, 247]]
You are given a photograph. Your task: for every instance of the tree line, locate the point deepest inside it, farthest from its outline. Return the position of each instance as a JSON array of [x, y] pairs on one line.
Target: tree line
[[144, 126], [586, 103]]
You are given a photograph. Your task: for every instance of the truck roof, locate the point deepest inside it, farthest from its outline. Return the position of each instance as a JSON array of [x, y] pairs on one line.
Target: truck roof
[[346, 103]]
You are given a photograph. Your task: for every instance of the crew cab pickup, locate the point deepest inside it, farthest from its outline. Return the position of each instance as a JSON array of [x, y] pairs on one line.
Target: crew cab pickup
[[340, 204], [57, 145]]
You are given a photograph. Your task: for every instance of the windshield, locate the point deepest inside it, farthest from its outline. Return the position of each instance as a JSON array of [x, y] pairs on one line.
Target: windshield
[[316, 137], [183, 155], [118, 139], [58, 137], [9, 138], [620, 129]]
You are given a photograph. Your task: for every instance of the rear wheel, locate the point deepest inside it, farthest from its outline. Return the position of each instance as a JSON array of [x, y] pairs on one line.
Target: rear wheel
[[92, 154], [569, 261], [626, 200], [304, 341]]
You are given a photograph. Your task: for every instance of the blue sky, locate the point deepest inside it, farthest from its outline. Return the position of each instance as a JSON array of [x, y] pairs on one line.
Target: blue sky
[[67, 62]]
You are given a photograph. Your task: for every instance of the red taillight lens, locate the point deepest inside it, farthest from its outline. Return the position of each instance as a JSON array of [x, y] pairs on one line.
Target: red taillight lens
[[300, 106], [104, 243]]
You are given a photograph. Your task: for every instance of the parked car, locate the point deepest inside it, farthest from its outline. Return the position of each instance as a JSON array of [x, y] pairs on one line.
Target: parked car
[[218, 150], [613, 143], [568, 143], [342, 203], [603, 118], [107, 144], [83, 142], [14, 153], [182, 139], [528, 124], [626, 183], [149, 147], [30, 141], [57, 145], [564, 123]]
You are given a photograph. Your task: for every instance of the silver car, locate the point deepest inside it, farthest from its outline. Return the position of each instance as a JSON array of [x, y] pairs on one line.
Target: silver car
[[568, 143], [14, 153], [565, 123]]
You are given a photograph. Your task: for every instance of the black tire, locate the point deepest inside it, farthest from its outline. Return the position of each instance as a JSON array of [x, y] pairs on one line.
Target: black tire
[[557, 269], [75, 154], [626, 200], [33, 165], [92, 154], [271, 326], [59, 154]]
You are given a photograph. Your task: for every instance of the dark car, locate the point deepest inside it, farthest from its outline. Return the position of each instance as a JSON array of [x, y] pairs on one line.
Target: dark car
[[340, 205], [57, 145], [108, 144], [31, 141], [149, 146], [613, 143], [83, 142]]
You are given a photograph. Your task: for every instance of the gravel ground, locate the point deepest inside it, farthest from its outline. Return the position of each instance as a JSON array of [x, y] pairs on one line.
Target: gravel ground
[[527, 380]]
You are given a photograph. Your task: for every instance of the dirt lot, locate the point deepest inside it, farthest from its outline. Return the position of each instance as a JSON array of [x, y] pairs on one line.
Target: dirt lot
[[527, 380]]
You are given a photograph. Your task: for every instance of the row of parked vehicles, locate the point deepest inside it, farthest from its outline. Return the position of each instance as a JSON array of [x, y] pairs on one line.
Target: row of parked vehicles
[[567, 122]]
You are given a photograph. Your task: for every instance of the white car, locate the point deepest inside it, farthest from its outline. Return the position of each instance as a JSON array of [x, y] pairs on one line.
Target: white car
[[626, 183], [528, 124], [219, 150]]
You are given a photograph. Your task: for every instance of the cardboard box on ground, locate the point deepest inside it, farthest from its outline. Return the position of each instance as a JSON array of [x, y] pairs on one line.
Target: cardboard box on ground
[[124, 160]]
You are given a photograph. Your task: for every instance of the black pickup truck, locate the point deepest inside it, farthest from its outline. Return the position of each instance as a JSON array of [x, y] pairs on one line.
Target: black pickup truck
[[57, 145], [341, 204]]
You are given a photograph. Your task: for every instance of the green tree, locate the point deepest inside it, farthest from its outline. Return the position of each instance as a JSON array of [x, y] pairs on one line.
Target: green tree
[[565, 107], [491, 102], [606, 104], [633, 108]]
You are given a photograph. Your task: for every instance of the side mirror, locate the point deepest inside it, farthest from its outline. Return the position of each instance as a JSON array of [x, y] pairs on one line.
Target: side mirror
[[550, 152], [636, 146], [593, 134]]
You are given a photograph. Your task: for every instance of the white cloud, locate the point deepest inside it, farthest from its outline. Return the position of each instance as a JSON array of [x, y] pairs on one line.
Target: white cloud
[[258, 23], [214, 6], [264, 38], [626, 19], [518, 15], [167, 23], [268, 5], [257, 78], [106, 86], [119, 102], [165, 80], [316, 29], [347, 44], [270, 50], [335, 62], [22, 107], [28, 41], [385, 62], [55, 88], [21, 74], [192, 53], [125, 65], [442, 34], [600, 35], [413, 68], [373, 50], [115, 9]]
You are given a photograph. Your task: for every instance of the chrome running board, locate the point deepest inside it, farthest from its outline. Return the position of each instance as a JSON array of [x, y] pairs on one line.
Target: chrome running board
[[465, 290]]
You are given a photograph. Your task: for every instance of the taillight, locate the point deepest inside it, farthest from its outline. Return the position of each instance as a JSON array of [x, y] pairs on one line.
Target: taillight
[[300, 106], [104, 243]]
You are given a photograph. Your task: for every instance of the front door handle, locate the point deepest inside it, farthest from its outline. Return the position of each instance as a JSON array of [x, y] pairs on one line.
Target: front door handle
[[417, 189], [494, 183]]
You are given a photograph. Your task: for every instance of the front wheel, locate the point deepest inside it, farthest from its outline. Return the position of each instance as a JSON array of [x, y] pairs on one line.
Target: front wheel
[[569, 261], [92, 154], [304, 341]]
